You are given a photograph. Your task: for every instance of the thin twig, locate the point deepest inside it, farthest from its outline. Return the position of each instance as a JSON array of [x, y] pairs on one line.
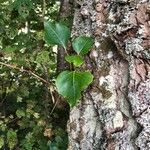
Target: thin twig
[[24, 70], [54, 107], [35, 75], [52, 96]]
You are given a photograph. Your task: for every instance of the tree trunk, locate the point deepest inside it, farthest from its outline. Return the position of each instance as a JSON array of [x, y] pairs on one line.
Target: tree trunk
[[114, 112]]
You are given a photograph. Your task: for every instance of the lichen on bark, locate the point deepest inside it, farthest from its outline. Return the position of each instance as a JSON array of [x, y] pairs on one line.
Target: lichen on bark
[[113, 113]]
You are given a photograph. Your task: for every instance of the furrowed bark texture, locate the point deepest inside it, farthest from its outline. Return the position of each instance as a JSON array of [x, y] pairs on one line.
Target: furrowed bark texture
[[114, 112]]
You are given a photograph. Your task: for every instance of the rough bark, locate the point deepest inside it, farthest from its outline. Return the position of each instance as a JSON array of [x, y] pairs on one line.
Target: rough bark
[[114, 112]]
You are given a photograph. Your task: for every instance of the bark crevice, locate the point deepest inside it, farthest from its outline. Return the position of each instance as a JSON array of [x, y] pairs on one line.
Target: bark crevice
[[117, 110]]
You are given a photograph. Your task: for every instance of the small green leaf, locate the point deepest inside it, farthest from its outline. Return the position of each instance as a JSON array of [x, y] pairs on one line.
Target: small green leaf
[[56, 34], [43, 57], [10, 49], [11, 138], [1, 142], [23, 11], [20, 113], [70, 84], [75, 59], [82, 44]]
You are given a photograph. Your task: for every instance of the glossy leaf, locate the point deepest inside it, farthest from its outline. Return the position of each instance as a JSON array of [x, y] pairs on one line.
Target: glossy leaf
[[82, 44], [75, 59], [70, 84], [56, 34]]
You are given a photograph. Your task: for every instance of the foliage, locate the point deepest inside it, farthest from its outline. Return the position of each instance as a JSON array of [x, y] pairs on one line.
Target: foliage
[[82, 44], [28, 117], [70, 84], [75, 59], [56, 33], [27, 71]]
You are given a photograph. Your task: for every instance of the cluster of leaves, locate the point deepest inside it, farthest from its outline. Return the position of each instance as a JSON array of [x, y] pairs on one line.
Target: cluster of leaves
[[25, 102], [70, 84]]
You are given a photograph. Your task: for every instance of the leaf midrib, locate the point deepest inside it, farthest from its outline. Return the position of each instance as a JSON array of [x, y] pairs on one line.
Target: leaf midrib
[[73, 82], [83, 46], [57, 36]]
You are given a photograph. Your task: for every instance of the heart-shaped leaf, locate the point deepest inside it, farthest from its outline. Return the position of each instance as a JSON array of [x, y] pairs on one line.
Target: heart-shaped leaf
[[56, 34], [82, 44], [75, 59], [70, 84]]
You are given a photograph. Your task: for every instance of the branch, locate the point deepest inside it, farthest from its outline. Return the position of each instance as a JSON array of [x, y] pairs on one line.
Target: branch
[[24, 70]]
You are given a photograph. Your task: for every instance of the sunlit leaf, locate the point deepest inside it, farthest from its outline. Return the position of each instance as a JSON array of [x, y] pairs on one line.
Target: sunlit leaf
[[20, 113], [56, 34], [75, 59]]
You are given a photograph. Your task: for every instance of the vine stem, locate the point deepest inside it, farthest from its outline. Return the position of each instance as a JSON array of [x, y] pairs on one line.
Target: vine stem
[[24, 70], [66, 50], [54, 107]]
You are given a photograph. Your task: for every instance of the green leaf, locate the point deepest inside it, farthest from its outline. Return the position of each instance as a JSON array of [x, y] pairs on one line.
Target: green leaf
[[20, 113], [75, 59], [1, 142], [70, 84], [23, 7], [10, 49], [28, 142], [23, 11], [82, 44], [56, 34], [43, 57], [12, 138]]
